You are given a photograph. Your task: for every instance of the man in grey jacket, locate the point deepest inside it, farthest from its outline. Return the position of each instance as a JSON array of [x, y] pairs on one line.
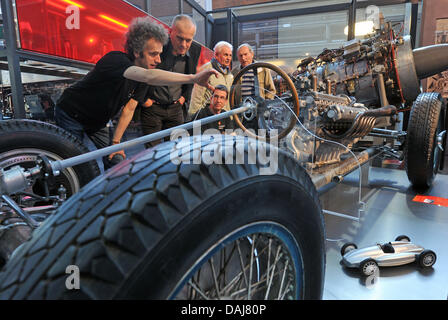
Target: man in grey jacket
[[221, 62]]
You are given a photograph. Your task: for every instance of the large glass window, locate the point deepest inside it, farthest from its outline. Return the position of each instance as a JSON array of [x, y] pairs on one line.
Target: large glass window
[[262, 36], [287, 40], [290, 39], [391, 13], [139, 4], [306, 35], [165, 10]]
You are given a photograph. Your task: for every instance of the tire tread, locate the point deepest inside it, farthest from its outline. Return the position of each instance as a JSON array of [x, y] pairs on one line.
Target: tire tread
[[98, 234]]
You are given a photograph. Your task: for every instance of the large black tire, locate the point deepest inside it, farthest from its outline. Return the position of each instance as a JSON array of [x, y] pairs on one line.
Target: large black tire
[[422, 156], [145, 227], [21, 141]]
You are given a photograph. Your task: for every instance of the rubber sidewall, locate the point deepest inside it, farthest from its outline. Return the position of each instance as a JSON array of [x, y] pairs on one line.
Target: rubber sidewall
[[424, 123], [262, 199]]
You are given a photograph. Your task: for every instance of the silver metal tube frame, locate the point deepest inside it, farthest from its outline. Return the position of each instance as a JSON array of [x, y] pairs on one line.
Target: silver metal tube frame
[[58, 166]]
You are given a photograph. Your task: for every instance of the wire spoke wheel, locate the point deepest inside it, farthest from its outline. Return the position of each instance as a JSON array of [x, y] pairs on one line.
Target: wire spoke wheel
[[271, 114], [246, 266]]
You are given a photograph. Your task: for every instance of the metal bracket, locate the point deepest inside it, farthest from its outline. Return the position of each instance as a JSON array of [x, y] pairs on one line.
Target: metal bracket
[[24, 215]]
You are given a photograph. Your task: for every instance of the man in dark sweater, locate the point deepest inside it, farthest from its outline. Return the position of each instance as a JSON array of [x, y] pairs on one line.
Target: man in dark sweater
[[217, 102], [165, 105], [87, 106]]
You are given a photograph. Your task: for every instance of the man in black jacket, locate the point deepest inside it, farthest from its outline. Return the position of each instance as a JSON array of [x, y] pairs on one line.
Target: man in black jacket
[[88, 105], [217, 103], [165, 106]]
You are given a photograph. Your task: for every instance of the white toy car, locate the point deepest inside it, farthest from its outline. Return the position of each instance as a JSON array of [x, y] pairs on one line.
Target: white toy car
[[396, 253]]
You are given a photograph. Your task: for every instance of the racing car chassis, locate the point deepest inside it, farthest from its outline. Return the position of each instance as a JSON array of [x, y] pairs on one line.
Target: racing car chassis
[[207, 217]]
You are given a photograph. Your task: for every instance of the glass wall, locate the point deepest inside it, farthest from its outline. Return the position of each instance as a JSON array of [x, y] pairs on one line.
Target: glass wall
[[198, 18], [287, 39], [262, 36], [392, 13], [141, 4], [306, 35], [166, 10]]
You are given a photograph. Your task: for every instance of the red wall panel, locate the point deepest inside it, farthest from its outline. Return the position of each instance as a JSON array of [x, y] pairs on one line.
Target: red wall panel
[[82, 30]]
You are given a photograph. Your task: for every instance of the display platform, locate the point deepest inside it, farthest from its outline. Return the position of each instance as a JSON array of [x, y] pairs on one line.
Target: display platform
[[389, 211]]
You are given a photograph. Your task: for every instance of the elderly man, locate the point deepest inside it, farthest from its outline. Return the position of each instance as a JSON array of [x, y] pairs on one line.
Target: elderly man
[[217, 103], [247, 81], [221, 62], [164, 105], [246, 84], [88, 105]]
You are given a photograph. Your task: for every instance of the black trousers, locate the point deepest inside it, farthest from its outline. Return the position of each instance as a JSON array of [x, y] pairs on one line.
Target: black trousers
[[160, 117], [100, 138]]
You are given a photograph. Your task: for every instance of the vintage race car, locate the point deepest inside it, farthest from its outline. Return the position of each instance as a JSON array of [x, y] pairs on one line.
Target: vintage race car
[[242, 222], [396, 253]]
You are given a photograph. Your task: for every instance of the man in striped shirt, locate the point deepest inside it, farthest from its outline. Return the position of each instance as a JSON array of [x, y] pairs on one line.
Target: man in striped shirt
[[266, 88]]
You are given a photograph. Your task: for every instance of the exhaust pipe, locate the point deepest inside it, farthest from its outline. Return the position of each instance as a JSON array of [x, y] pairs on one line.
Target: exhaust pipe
[[430, 60], [415, 65]]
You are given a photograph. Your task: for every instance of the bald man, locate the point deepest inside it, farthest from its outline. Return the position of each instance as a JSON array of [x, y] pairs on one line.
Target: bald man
[[165, 106]]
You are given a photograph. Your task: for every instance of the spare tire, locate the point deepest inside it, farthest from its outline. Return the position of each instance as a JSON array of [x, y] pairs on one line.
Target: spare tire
[[155, 229]]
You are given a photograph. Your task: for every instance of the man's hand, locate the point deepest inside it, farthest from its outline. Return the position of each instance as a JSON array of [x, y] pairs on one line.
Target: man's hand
[[148, 103], [180, 101], [202, 77], [121, 152]]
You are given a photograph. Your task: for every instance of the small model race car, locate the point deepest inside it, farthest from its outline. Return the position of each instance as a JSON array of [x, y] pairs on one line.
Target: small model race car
[[396, 253]]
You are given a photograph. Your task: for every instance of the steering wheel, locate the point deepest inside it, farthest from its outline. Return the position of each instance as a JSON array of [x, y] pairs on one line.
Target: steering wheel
[[267, 111]]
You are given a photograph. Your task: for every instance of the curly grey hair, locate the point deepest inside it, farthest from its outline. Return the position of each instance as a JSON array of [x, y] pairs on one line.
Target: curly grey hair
[[140, 31]]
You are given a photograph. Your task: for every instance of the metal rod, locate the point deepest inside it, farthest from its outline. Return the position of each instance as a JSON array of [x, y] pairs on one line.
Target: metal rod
[[378, 132], [25, 216], [321, 179], [13, 59], [314, 82], [58, 166], [381, 135], [382, 90], [337, 214], [351, 21]]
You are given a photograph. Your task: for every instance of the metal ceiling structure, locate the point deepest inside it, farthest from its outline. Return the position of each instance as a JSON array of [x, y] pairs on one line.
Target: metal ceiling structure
[[16, 60]]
